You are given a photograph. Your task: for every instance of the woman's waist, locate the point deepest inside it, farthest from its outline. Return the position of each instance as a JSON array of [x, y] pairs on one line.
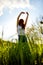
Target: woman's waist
[[21, 33]]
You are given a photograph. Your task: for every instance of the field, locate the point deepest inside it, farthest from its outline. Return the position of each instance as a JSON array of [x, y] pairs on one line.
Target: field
[[21, 53]]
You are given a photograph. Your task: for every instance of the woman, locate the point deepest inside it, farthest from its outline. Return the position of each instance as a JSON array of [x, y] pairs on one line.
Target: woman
[[21, 28]]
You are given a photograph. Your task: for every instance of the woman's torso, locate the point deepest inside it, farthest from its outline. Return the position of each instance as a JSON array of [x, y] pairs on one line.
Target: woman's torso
[[20, 30]]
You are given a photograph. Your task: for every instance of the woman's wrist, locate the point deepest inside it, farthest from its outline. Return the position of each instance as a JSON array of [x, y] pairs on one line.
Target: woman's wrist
[[27, 13]]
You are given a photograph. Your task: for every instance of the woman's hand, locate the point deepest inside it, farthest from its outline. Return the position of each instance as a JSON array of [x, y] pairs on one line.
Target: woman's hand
[[27, 13], [22, 12]]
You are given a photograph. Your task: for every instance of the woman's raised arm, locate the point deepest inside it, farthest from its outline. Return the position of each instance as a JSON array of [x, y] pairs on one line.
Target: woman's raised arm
[[19, 17], [26, 18]]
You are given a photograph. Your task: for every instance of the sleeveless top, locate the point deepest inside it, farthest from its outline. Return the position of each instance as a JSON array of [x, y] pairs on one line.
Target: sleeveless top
[[20, 30]]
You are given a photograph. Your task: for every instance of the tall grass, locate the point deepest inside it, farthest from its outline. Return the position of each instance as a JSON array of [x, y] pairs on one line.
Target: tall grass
[[21, 53]]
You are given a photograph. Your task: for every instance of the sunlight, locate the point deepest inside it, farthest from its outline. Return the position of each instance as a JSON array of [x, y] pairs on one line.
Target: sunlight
[[10, 29], [0, 31]]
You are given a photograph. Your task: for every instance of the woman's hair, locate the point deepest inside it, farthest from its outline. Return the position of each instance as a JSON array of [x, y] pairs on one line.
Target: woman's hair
[[21, 23]]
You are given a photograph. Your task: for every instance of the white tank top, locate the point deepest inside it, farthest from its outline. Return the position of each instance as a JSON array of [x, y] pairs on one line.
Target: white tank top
[[20, 30]]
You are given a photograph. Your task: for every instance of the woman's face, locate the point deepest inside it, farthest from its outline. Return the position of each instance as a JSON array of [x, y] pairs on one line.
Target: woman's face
[[21, 22]]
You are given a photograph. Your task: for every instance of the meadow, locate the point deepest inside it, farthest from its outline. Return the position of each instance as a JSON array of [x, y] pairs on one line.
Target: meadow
[[30, 53]]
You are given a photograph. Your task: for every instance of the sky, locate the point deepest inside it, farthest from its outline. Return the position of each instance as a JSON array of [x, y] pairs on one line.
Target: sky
[[9, 11]]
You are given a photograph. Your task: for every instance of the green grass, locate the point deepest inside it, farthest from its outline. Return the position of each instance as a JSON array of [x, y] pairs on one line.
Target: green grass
[[21, 53]]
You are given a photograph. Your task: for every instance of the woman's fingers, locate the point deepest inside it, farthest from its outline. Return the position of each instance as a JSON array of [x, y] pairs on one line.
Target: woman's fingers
[[23, 12], [27, 13]]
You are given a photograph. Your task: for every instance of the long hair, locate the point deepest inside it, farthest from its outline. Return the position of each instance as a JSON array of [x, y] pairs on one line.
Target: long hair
[[21, 23]]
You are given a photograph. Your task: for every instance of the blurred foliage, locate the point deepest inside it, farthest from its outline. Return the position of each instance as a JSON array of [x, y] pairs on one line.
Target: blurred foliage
[[30, 53]]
